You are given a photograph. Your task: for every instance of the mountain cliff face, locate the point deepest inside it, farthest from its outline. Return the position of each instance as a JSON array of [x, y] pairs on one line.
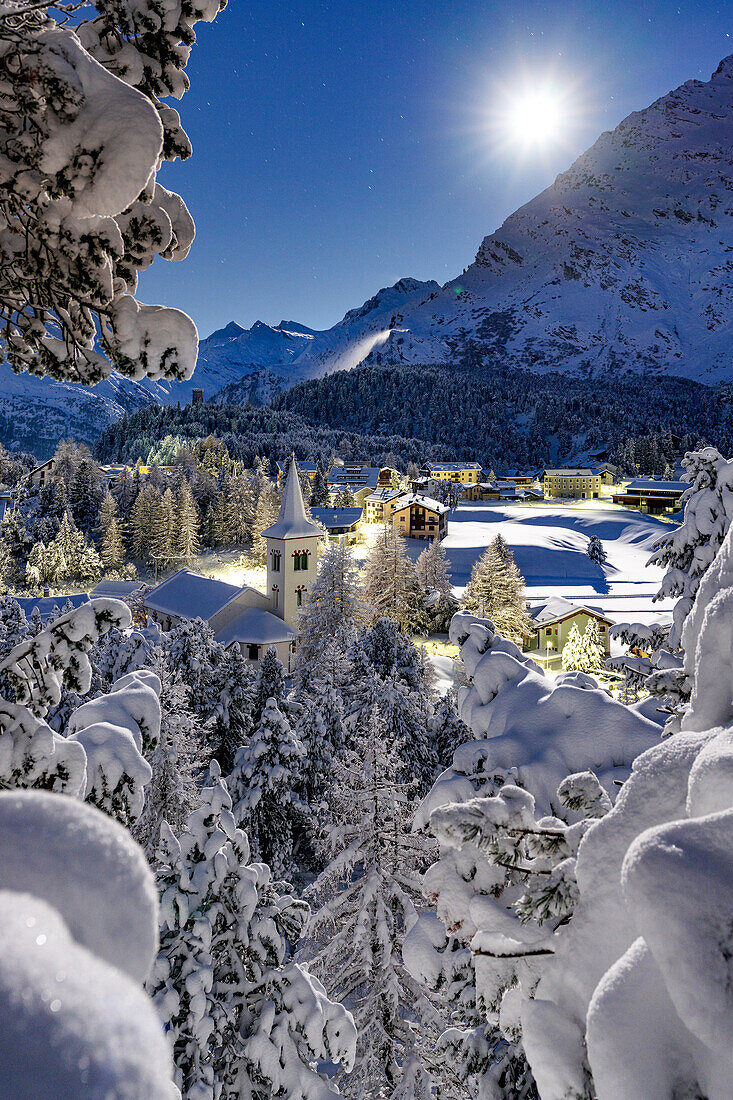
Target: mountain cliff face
[[625, 262]]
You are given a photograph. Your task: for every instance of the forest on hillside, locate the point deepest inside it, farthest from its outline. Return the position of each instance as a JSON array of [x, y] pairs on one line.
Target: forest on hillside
[[156, 435], [508, 418]]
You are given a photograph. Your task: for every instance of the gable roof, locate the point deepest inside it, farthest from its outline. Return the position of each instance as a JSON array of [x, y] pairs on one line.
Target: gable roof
[[354, 477], [292, 523], [337, 517], [49, 606], [384, 494], [115, 589], [255, 626], [574, 471], [188, 595], [422, 502], [650, 485], [557, 608], [452, 466]]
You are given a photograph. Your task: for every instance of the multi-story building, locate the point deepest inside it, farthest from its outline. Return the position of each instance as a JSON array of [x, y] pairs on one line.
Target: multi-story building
[[361, 481], [379, 506], [578, 482], [651, 496], [466, 473], [419, 517]]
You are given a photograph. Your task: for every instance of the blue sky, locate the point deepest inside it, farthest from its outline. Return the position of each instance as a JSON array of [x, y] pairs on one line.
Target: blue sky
[[342, 144]]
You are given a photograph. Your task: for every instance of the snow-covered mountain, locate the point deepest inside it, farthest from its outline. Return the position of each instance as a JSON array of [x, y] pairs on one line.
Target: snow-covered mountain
[[625, 262], [263, 359]]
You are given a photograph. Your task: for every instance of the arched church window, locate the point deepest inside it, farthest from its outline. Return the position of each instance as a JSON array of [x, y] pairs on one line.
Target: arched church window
[[276, 561]]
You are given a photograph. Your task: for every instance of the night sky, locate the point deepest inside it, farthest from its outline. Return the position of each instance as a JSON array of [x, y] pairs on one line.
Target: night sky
[[341, 145]]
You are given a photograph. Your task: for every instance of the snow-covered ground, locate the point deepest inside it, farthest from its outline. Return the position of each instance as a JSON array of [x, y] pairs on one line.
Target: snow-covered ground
[[549, 544]]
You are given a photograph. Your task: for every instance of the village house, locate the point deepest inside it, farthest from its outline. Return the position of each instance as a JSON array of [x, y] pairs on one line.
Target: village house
[[607, 473], [419, 517], [650, 495], [501, 490], [466, 473], [245, 617], [554, 619], [361, 481], [340, 523], [577, 482], [380, 505]]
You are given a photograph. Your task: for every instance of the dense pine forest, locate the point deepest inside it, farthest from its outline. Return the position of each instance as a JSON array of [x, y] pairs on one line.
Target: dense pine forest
[[504, 417], [157, 434]]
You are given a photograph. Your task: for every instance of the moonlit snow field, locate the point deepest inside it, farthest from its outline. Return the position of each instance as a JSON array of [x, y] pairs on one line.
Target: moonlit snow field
[[549, 544]]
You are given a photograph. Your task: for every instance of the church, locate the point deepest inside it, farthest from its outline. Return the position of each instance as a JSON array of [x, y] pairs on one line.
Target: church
[[246, 617]]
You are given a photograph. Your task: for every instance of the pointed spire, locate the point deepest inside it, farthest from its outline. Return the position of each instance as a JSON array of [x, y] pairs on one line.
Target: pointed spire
[[292, 522]]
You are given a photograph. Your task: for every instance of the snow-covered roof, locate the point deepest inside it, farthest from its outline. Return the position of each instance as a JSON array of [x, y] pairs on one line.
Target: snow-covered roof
[[557, 607], [292, 523], [116, 589], [384, 494], [191, 596], [421, 502], [354, 477], [255, 626], [451, 467], [337, 517], [580, 471], [648, 484], [49, 606]]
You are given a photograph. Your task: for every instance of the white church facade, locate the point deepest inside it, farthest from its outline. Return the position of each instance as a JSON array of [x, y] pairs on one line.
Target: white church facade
[[245, 617]]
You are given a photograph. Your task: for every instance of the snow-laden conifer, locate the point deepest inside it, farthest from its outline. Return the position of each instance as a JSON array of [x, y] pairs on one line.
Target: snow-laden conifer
[[263, 788], [244, 1020], [364, 904], [496, 591], [334, 606], [391, 587]]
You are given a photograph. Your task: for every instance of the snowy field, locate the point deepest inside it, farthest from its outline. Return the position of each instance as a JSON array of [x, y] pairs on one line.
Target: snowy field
[[549, 544]]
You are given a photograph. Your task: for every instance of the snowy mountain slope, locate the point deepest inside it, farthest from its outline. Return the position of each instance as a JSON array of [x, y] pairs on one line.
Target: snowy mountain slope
[[626, 261], [248, 365], [36, 412], [266, 359]]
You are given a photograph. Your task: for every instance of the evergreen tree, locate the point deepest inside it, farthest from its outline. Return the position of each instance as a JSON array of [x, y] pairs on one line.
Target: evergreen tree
[[108, 511], [334, 603], [391, 586], [171, 795], [77, 561], [244, 1020], [364, 904], [573, 656], [433, 570], [593, 653], [269, 684], [85, 495], [113, 547], [262, 788], [188, 522], [319, 492], [144, 519], [496, 591], [595, 550], [233, 691], [266, 513], [447, 729], [321, 732], [164, 543], [344, 498]]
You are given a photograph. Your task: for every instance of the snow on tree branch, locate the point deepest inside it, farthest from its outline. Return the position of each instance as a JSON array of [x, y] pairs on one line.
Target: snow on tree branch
[[84, 132]]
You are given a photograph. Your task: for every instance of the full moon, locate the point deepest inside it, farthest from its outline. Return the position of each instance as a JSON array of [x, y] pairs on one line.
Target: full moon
[[534, 118]]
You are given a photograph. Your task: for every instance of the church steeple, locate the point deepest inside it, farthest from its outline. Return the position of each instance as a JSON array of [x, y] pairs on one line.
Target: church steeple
[[292, 523], [292, 553]]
